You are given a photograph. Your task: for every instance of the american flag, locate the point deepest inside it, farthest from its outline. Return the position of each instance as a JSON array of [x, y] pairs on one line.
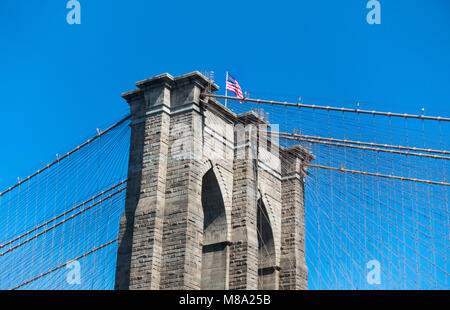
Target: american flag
[[233, 86]]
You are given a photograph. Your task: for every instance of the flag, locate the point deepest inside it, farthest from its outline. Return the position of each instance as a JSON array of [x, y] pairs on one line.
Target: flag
[[233, 86]]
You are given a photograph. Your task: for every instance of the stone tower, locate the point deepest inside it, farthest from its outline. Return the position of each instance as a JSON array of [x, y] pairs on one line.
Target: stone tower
[[212, 201]]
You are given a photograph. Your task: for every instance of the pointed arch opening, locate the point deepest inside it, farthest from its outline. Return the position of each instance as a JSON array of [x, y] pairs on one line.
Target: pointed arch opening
[[267, 270], [215, 247]]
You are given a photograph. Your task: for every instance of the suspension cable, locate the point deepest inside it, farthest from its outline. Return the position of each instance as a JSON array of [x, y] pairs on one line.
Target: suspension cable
[[370, 144], [288, 136], [395, 177], [63, 214], [66, 155], [328, 108], [65, 264], [63, 221]]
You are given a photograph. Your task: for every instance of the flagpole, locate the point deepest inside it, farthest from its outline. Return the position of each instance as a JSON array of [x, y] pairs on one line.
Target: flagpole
[[226, 80]]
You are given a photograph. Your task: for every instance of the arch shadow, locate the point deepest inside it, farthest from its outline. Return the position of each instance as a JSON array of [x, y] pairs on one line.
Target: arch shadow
[[215, 252], [267, 269]]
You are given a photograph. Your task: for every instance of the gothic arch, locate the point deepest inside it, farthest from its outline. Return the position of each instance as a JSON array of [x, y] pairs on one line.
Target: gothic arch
[[267, 269], [214, 273], [207, 165]]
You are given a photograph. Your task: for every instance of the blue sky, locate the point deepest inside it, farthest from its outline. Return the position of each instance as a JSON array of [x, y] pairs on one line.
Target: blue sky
[[60, 82]]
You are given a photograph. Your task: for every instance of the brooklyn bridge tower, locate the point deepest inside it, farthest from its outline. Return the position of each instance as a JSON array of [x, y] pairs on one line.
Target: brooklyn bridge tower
[[213, 202]]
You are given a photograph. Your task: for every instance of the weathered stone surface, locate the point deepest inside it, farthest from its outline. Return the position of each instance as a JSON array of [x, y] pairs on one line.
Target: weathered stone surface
[[212, 202]]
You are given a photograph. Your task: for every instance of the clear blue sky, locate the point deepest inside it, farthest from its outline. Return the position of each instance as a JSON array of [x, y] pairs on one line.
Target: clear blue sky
[[59, 82]]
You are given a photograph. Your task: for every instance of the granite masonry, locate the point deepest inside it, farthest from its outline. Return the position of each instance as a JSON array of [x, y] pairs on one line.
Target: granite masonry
[[212, 201]]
